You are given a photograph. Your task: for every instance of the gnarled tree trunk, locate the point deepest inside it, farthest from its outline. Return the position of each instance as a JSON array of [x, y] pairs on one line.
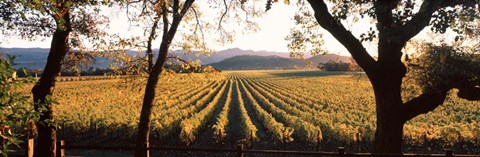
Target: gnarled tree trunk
[[386, 72], [389, 132], [44, 88], [386, 80]]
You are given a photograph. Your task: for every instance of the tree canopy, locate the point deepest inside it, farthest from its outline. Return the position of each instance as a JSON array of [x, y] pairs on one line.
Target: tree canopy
[[68, 23], [442, 67], [392, 24]]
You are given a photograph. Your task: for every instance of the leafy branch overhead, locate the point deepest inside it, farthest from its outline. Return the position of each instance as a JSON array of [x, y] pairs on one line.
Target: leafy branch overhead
[[38, 20]]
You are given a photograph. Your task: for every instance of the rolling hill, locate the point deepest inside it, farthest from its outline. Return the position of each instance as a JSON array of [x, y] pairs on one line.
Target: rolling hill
[[35, 58], [255, 62], [228, 53]]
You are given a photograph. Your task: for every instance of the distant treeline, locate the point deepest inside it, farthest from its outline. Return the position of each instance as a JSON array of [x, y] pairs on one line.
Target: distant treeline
[[339, 66], [23, 72]]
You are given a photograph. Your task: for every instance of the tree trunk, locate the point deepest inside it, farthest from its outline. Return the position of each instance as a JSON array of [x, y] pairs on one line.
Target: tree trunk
[[145, 115], [44, 88], [387, 82], [168, 34], [154, 75], [389, 132], [148, 99], [154, 72], [388, 136]]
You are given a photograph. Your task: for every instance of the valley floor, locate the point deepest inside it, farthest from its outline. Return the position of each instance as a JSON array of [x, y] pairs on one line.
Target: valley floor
[[294, 110]]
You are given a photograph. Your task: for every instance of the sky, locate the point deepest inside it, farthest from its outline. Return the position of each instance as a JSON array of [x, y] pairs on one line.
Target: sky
[[274, 26]]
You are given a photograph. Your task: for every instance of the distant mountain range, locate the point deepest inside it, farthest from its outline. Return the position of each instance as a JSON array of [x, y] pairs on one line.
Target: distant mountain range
[[36, 58], [235, 58], [254, 62], [228, 53]]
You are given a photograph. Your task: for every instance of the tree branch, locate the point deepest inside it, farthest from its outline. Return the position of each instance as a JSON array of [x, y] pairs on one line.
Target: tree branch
[[177, 18], [198, 27], [223, 15], [422, 19], [419, 21], [175, 7], [431, 99], [345, 37], [424, 103], [169, 33], [132, 2], [165, 21], [452, 3], [383, 11], [469, 93], [467, 88], [151, 37], [186, 5]]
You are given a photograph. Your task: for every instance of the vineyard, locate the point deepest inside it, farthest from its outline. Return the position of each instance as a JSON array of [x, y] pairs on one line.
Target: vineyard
[[301, 110]]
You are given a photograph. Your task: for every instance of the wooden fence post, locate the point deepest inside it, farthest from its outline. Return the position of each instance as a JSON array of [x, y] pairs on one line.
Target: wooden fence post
[[341, 151], [449, 153], [29, 148], [319, 137], [60, 148], [240, 150], [251, 139], [147, 149]]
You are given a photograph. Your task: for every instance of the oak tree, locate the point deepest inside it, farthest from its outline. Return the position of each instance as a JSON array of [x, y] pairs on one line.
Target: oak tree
[[68, 23], [395, 23]]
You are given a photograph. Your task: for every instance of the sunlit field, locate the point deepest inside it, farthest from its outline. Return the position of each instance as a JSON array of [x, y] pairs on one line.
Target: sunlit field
[[294, 110]]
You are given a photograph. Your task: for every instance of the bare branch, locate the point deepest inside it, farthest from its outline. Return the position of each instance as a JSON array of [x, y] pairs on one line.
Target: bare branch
[[133, 2], [197, 25], [223, 15]]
